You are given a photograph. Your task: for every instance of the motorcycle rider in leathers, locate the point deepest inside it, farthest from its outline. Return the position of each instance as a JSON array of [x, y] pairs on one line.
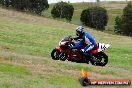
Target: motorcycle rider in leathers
[[86, 39]]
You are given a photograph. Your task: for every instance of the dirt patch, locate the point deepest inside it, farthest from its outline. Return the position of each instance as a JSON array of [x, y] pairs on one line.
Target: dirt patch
[[51, 69], [4, 48], [1, 59]]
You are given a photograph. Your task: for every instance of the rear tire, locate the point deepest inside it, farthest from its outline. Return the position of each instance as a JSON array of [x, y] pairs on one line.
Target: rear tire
[[101, 59], [55, 54], [105, 57]]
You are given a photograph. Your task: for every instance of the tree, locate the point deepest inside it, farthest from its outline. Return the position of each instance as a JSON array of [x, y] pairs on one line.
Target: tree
[[5, 2], [123, 25], [126, 26], [38, 6], [1, 2], [98, 0], [95, 17], [62, 10], [18, 4], [118, 22]]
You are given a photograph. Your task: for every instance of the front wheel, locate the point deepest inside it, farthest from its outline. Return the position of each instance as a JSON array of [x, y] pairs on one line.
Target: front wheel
[[55, 54]]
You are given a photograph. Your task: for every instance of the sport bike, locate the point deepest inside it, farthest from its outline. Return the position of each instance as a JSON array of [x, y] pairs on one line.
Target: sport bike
[[95, 56]]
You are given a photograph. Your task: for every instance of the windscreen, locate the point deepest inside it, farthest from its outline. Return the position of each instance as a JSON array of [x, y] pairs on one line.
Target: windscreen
[[66, 38]]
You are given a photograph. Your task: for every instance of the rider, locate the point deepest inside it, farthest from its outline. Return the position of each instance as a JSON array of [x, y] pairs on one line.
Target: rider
[[87, 40]]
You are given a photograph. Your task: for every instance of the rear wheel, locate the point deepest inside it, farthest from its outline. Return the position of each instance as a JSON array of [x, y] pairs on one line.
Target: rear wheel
[[101, 59], [55, 54]]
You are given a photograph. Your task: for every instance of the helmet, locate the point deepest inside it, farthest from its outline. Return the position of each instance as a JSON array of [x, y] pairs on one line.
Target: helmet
[[79, 31]]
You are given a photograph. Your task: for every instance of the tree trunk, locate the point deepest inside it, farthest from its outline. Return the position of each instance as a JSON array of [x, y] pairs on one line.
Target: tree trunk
[[98, 1]]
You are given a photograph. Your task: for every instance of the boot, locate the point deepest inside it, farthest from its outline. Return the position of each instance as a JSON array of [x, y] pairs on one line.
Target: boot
[[87, 58]]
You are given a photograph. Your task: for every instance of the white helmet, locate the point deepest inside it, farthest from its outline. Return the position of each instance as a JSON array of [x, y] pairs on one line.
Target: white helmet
[[80, 31]]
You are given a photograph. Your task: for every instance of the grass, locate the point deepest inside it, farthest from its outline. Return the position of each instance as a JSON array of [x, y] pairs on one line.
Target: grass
[[10, 69], [25, 53], [32, 39], [11, 81]]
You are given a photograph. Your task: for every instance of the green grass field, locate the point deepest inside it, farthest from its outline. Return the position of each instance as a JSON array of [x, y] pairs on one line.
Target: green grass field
[[25, 45]]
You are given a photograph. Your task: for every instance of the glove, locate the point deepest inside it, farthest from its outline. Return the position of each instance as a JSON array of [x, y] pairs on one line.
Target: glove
[[69, 47], [80, 52], [71, 39], [74, 50]]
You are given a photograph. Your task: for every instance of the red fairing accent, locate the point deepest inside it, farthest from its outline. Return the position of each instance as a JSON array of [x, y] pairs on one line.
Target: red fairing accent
[[58, 48], [95, 51]]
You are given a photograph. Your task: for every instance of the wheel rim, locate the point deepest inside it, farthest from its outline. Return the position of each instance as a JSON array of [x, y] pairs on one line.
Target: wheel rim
[[55, 54], [103, 59], [63, 56], [100, 60]]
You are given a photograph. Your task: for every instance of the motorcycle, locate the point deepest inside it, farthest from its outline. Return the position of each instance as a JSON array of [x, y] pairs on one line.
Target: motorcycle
[[95, 56]]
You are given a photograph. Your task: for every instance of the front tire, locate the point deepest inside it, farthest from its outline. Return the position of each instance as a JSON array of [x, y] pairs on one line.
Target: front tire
[[55, 54], [63, 56]]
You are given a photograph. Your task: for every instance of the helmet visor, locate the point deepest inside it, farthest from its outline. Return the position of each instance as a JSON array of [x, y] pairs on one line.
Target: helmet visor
[[78, 33]]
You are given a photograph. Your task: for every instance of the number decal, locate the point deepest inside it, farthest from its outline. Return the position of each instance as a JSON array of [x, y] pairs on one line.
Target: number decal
[[103, 47]]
